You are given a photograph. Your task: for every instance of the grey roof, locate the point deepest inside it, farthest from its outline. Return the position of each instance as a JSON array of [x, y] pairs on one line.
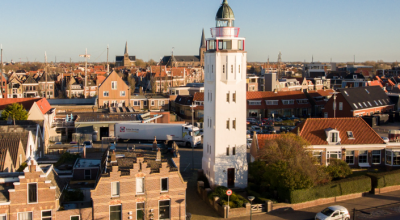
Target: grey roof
[[365, 97], [225, 11], [88, 101], [121, 58], [56, 181], [30, 80], [23, 136], [42, 78], [98, 117], [184, 99], [166, 59]]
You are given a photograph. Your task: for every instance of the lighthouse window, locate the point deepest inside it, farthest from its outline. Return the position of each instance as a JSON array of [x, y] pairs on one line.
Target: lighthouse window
[[223, 68], [240, 46], [231, 68]]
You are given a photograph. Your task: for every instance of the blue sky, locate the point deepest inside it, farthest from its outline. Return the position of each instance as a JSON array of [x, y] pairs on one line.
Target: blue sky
[[336, 29]]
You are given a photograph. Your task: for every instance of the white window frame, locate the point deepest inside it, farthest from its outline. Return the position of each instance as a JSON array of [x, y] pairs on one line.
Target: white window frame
[[114, 85], [169, 207], [152, 102], [79, 217], [372, 157], [23, 212], [144, 102], [109, 211], [255, 102], [27, 193], [104, 94], [328, 153], [119, 187], [161, 102], [3, 215], [346, 154], [302, 101], [120, 93], [144, 204], [271, 102], [288, 102], [167, 184], [143, 189], [137, 103], [51, 212]]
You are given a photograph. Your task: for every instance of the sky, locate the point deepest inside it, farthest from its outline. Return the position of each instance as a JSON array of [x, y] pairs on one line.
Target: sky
[[300, 29]]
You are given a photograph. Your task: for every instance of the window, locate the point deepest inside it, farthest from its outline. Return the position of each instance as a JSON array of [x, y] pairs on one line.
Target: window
[[350, 135], [239, 68], [164, 184], [227, 124], [115, 212], [164, 207], [139, 185], [388, 157], [367, 91], [233, 150], [380, 102], [161, 103], [231, 68], [272, 102], [234, 124], [75, 217], [114, 85], [240, 46], [25, 216], [105, 94], [302, 101], [254, 102], [227, 151], [333, 155], [288, 102], [152, 103], [3, 216], [369, 103], [234, 97], [87, 175], [334, 137], [318, 156], [122, 93], [114, 189], [350, 157], [32, 193], [346, 93], [144, 103], [396, 158], [136, 103], [227, 97], [375, 102], [46, 215], [376, 156], [340, 106], [140, 211], [223, 68], [360, 105], [362, 156]]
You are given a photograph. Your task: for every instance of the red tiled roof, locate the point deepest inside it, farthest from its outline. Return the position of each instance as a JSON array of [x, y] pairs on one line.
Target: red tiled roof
[[313, 130], [281, 95], [100, 79], [321, 92], [27, 103], [375, 83], [198, 96], [261, 138]]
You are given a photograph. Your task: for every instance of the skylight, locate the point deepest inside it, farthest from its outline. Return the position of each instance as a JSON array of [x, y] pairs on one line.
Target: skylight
[[375, 102], [350, 135], [367, 91], [369, 103], [355, 105], [380, 102], [366, 106], [345, 92], [360, 105]]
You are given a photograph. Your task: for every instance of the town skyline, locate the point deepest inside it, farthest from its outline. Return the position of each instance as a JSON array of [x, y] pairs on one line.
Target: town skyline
[[300, 31]]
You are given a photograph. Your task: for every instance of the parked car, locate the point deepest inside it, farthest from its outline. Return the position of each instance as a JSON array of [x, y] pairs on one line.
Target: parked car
[[249, 140], [335, 212], [270, 129], [58, 143], [278, 120], [88, 144]]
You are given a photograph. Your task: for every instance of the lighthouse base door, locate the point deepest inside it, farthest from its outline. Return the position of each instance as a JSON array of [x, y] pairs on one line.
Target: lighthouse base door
[[231, 177]]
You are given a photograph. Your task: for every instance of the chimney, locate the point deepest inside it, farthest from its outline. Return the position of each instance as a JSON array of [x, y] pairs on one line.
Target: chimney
[[158, 157], [155, 143]]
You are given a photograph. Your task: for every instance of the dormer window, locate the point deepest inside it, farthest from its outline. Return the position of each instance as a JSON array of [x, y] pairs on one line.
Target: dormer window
[[334, 137], [350, 135]]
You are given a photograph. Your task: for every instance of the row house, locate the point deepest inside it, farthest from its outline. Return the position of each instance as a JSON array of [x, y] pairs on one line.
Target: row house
[[149, 102], [183, 104], [77, 88], [361, 101], [349, 139], [4, 91], [14, 88], [283, 103], [46, 87]]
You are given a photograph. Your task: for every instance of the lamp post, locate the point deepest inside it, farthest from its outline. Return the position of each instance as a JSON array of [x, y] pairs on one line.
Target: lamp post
[[251, 198]]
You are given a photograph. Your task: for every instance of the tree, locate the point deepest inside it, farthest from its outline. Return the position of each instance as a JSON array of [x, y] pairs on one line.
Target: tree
[[151, 62], [289, 165], [140, 63], [132, 83], [14, 111], [153, 85]]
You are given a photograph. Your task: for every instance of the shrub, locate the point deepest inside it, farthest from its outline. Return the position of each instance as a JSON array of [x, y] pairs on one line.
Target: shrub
[[336, 188], [338, 169], [235, 200], [380, 180]]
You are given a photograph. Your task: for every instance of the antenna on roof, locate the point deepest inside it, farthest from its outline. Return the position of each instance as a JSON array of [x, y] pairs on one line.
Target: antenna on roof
[[334, 102]]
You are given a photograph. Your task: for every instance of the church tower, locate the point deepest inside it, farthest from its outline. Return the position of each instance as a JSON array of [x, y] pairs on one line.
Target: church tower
[[203, 48], [224, 145]]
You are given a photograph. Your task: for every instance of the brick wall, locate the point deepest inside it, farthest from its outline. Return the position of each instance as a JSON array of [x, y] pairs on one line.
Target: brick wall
[[84, 213]]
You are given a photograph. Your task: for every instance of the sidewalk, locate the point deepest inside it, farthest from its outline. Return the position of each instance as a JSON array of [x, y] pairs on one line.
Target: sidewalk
[[382, 206]]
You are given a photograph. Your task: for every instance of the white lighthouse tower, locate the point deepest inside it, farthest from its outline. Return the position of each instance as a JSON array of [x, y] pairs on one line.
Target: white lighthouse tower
[[224, 145]]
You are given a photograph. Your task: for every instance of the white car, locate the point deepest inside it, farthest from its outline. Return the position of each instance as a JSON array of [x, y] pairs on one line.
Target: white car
[[335, 212]]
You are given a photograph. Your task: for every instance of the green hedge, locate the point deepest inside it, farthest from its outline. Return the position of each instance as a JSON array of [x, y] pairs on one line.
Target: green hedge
[[336, 188], [380, 180], [258, 197]]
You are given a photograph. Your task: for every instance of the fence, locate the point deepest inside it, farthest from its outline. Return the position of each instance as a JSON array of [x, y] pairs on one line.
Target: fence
[[79, 138]]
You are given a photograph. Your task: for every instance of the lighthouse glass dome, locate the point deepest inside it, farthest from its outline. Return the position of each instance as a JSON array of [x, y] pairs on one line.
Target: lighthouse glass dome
[[225, 16]]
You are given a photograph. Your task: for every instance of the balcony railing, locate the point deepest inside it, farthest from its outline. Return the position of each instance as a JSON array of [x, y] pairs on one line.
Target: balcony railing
[[225, 32]]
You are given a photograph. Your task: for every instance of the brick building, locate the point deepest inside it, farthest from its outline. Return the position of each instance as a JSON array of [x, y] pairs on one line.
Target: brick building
[[360, 101], [113, 92]]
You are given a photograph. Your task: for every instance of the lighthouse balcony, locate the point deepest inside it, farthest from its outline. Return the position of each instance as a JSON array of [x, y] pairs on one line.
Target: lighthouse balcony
[[225, 32]]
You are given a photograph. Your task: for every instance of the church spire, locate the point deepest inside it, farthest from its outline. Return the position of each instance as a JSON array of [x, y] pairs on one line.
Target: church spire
[[126, 48], [203, 40]]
